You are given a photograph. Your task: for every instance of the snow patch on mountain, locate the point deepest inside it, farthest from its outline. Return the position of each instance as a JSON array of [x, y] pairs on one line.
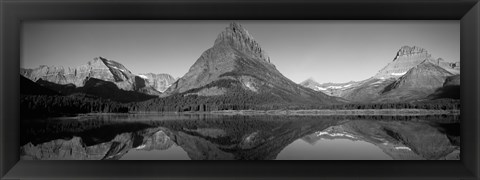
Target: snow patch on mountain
[[379, 81], [322, 133], [321, 88], [143, 76], [250, 86], [403, 147], [339, 87], [399, 74]]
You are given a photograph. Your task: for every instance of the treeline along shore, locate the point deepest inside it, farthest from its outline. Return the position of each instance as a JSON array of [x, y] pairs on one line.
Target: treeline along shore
[[56, 105], [329, 112]]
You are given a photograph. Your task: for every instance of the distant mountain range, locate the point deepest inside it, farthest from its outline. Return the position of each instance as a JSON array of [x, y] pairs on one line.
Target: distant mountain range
[[237, 73], [100, 77], [412, 75]]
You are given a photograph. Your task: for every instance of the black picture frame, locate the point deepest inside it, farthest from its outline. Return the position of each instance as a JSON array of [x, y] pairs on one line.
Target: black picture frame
[[13, 12]]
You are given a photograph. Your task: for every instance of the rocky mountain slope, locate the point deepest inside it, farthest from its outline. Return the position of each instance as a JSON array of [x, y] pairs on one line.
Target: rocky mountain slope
[[237, 64], [158, 81]]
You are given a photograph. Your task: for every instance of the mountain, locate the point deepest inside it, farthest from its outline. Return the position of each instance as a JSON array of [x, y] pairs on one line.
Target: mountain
[[158, 81], [97, 88], [311, 83], [450, 89], [452, 67], [413, 74], [237, 64], [332, 89], [99, 68], [28, 87], [408, 57], [419, 82]]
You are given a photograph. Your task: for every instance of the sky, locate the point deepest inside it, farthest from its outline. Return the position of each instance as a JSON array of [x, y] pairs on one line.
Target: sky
[[327, 51]]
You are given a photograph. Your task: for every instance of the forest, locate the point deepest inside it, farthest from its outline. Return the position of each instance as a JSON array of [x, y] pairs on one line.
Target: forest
[[57, 105]]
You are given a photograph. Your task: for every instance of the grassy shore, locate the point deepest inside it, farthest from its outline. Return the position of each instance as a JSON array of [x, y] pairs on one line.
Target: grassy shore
[[328, 112]]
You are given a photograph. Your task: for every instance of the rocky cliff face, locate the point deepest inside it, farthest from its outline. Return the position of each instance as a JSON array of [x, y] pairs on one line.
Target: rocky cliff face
[[237, 58], [99, 68], [158, 81], [406, 58]]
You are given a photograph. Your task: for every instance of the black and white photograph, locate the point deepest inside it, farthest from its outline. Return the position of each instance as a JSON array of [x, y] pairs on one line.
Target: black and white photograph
[[240, 90]]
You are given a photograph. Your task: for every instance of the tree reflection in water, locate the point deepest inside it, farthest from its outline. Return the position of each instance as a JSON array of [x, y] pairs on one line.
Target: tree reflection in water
[[239, 137]]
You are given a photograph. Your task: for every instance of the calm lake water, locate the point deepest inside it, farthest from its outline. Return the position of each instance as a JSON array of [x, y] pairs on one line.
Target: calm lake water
[[240, 137]]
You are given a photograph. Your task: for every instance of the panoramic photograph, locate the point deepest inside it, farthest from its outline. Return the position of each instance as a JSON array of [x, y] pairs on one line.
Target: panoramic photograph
[[240, 90]]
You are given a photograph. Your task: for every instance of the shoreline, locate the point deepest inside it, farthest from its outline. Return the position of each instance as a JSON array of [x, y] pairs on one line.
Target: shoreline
[[329, 112], [314, 112], [310, 112]]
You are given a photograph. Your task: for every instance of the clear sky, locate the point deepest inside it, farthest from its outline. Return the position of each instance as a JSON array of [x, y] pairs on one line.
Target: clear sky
[[327, 51]]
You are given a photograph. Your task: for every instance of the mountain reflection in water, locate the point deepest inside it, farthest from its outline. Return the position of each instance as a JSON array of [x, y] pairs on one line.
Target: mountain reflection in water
[[239, 137]]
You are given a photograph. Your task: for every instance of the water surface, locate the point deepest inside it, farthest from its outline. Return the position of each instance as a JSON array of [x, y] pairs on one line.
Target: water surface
[[240, 137]]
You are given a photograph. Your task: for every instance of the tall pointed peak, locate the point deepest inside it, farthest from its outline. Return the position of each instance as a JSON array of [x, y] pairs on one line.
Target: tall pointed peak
[[104, 60], [108, 62], [235, 25], [97, 61], [237, 37], [232, 31], [238, 29]]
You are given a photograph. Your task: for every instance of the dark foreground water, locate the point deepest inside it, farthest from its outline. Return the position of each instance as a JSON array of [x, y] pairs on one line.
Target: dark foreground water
[[239, 137]]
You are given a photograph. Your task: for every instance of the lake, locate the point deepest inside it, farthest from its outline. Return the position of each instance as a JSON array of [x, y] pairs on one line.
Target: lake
[[171, 136]]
